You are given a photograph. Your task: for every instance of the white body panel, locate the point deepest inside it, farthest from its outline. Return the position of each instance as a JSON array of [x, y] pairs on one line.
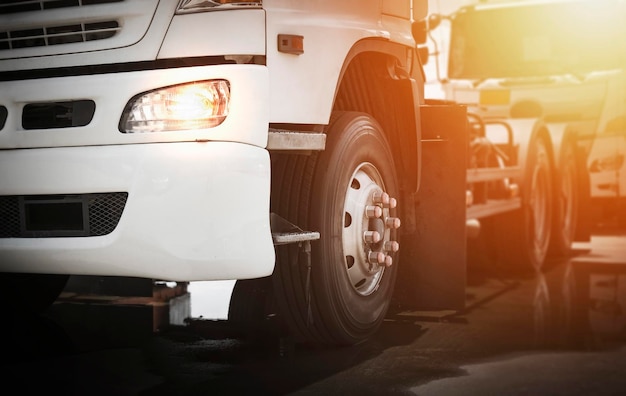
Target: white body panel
[[303, 86]]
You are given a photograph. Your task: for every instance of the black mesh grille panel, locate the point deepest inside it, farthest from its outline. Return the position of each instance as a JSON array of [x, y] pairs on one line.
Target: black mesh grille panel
[[45, 216], [105, 211], [9, 217]]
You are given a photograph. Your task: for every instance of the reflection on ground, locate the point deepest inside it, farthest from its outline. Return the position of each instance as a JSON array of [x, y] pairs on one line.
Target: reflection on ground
[[578, 332], [581, 303]]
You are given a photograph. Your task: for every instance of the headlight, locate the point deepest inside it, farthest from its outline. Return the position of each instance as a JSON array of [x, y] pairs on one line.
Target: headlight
[[197, 105], [186, 6]]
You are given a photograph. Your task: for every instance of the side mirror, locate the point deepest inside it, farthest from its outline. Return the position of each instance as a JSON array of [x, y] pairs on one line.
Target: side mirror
[[419, 29], [423, 53], [433, 21]]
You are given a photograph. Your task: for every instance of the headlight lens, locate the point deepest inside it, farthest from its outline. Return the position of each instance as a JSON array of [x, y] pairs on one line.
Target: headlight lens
[[197, 105], [186, 6]]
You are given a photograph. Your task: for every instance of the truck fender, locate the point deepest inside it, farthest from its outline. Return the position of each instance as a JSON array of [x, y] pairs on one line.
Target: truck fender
[[392, 95]]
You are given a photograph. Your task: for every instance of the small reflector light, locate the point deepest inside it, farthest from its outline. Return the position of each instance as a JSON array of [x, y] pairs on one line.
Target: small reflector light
[[291, 44], [495, 97]]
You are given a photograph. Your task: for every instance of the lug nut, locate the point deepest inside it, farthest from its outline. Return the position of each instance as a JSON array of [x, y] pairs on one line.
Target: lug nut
[[376, 257], [381, 198], [373, 211], [371, 236], [392, 203], [392, 222], [514, 190], [391, 246], [469, 198], [388, 261]]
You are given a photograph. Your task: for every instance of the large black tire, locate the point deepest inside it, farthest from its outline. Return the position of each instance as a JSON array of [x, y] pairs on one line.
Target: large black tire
[[251, 307], [523, 237], [33, 292], [566, 202], [344, 297]]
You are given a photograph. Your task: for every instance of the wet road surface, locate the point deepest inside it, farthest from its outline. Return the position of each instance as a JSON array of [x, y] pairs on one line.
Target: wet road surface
[[562, 332]]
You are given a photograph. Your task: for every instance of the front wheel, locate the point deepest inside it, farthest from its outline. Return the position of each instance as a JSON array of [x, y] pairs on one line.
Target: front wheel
[[347, 194], [33, 292]]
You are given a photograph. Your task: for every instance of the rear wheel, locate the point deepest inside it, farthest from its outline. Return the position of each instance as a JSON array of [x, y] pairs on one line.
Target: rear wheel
[[566, 203], [346, 193], [523, 237]]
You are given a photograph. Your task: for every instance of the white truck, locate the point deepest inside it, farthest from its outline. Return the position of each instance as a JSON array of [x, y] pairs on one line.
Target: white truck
[[284, 144], [560, 60]]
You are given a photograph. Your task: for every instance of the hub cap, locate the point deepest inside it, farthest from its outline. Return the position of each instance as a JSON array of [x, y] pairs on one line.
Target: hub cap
[[368, 229]]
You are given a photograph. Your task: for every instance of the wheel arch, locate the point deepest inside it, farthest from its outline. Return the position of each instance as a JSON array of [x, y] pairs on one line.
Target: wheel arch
[[385, 80]]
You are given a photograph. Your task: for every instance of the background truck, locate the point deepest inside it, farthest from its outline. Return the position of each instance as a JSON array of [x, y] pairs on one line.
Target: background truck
[[559, 60], [288, 145]]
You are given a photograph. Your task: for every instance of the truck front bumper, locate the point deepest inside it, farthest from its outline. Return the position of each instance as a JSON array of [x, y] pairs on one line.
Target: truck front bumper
[[194, 210]]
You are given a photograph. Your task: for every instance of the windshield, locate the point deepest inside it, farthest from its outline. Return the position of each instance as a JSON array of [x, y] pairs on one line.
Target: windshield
[[538, 39]]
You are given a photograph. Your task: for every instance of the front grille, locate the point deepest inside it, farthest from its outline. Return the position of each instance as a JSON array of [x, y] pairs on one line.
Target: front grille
[[46, 35], [11, 7], [37, 29], [46, 216], [54, 35]]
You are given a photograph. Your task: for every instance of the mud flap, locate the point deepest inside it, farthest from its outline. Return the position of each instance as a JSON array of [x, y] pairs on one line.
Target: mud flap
[[432, 268]]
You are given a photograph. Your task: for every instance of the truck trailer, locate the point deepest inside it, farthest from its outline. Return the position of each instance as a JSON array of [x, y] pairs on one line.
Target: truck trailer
[[286, 145]]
